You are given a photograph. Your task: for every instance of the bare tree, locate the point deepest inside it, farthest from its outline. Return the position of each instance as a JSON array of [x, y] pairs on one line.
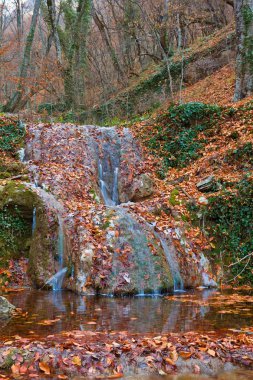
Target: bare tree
[[16, 100]]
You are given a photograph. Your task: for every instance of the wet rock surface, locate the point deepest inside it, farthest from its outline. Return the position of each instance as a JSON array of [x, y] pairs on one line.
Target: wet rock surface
[[6, 308], [89, 171], [38, 216]]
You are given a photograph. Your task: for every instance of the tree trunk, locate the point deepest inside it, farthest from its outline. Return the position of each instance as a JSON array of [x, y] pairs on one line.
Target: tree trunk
[[2, 5], [14, 103], [105, 36], [244, 59], [54, 32]]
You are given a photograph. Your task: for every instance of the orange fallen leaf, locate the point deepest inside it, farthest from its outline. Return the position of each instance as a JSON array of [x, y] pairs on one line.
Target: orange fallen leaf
[[15, 369], [77, 361], [44, 368], [211, 352], [185, 355]]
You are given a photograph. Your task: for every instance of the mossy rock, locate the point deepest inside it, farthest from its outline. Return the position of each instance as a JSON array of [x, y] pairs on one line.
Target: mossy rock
[[17, 199]]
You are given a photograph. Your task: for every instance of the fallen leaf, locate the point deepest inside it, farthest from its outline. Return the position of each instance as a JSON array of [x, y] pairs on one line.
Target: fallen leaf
[[44, 368]]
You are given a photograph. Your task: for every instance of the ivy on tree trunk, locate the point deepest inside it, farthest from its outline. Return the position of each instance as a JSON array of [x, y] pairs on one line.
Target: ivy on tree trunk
[[244, 59]]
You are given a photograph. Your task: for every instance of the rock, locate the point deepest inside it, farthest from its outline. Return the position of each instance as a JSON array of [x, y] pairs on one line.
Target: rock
[[139, 263], [203, 200], [142, 188], [41, 244], [207, 184], [5, 306]]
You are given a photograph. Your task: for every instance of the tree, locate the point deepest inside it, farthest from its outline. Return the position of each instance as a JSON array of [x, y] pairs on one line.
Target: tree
[[16, 100], [73, 40], [244, 59]]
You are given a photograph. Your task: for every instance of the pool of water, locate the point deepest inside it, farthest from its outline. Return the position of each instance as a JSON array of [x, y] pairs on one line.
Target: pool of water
[[45, 313]]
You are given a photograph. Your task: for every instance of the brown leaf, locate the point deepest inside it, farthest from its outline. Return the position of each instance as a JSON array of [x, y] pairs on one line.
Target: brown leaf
[[44, 368], [211, 352], [185, 355]]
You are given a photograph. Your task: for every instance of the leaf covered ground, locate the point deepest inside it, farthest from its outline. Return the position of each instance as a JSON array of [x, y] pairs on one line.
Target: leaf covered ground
[[114, 355]]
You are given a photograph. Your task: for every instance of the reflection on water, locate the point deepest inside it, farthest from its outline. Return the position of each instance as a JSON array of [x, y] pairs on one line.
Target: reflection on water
[[237, 375], [184, 312]]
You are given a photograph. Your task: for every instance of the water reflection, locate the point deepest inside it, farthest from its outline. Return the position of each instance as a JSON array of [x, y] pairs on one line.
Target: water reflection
[[69, 311], [236, 375]]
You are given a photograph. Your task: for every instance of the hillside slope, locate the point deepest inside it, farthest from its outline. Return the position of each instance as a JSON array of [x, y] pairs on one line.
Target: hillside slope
[[153, 88]]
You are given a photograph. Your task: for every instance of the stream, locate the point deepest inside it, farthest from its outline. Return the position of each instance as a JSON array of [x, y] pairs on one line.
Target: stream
[[45, 313]]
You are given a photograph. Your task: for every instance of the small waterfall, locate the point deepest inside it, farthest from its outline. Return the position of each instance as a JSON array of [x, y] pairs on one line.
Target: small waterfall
[[57, 280], [115, 195], [177, 279], [21, 154], [109, 153], [34, 220], [110, 196], [108, 172]]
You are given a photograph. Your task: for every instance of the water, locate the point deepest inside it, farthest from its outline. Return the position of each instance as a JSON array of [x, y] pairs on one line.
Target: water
[[110, 195], [235, 375], [108, 173], [178, 282], [200, 311], [34, 220], [57, 280], [108, 164], [21, 154]]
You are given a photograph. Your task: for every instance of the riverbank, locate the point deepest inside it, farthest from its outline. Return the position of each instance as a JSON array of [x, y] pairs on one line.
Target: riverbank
[[115, 355]]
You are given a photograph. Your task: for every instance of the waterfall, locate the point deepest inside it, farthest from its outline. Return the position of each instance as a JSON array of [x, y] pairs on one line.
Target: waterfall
[[110, 195], [57, 280], [177, 279], [108, 173], [21, 154], [115, 196], [34, 220]]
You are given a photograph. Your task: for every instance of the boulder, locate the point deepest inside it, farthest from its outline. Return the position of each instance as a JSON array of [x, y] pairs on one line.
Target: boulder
[[207, 184], [39, 211], [141, 188], [6, 307]]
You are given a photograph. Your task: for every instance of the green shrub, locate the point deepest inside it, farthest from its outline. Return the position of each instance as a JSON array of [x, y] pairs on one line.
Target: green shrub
[[52, 107]]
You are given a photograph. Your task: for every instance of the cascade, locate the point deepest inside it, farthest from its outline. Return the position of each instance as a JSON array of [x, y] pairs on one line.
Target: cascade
[[177, 279], [108, 172], [57, 280], [34, 220], [21, 154]]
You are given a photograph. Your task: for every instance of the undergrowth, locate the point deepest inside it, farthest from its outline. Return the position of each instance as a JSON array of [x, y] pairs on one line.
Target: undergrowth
[[228, 218], [176, 134], [11, 135]]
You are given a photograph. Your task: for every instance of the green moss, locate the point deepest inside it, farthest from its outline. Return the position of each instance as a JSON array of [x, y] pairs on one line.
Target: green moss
[[17, 203], [248, 41]]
